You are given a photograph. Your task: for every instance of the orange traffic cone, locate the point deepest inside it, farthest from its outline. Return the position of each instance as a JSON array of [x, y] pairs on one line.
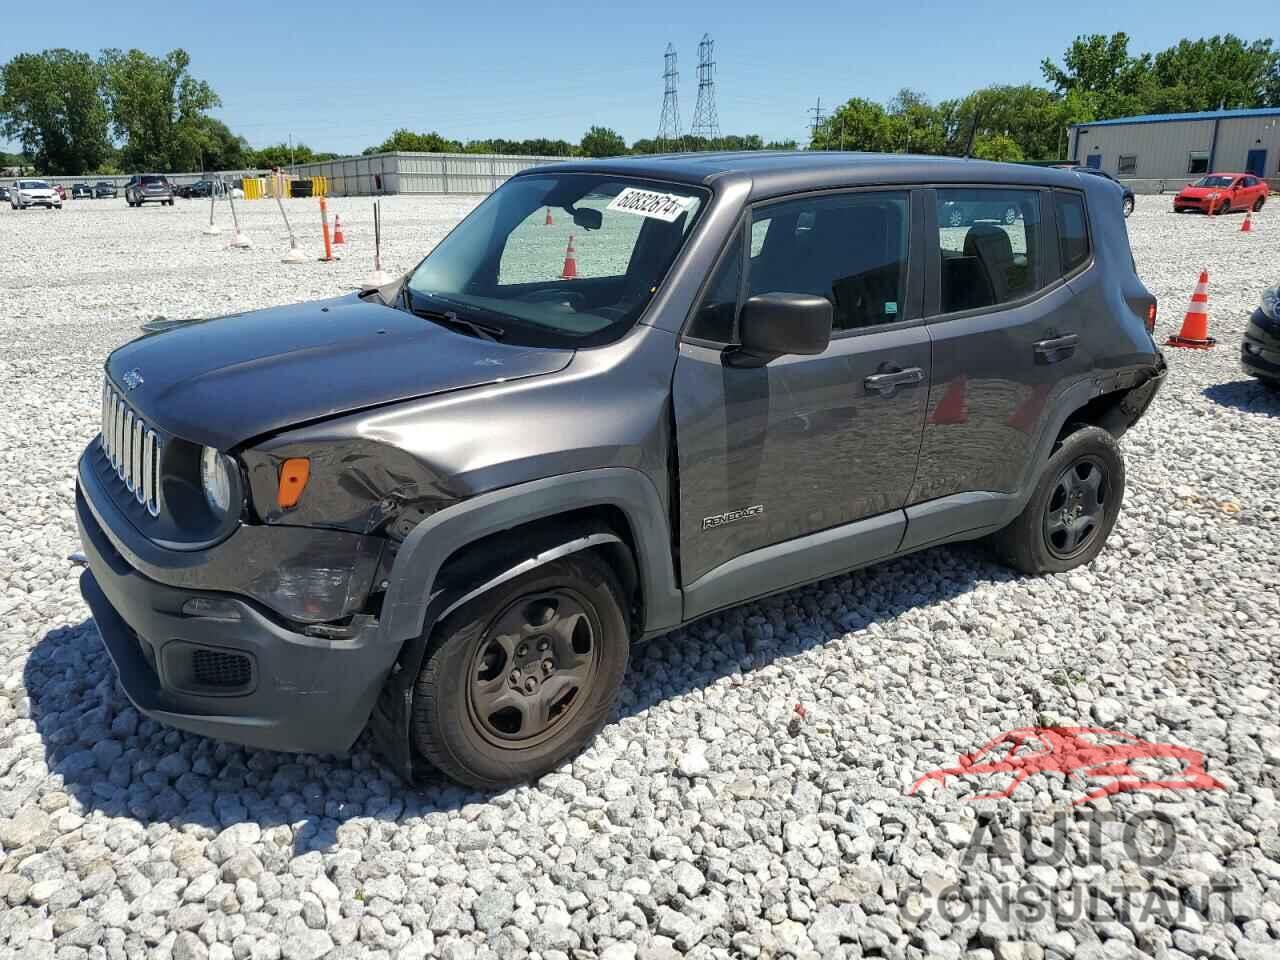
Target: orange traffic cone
[[951, 408], [570, 262], [1247, 226], [1195, 326], [548, 222], [339, 240]]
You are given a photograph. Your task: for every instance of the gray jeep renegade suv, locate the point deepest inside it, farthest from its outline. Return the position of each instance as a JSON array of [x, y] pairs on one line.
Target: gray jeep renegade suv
[[619, 396]]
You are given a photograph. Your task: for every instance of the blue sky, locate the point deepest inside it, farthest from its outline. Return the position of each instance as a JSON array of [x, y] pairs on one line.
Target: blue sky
[[341, 75]]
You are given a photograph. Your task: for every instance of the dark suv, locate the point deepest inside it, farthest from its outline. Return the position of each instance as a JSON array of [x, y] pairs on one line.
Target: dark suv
[[447, 507], [148, 188]]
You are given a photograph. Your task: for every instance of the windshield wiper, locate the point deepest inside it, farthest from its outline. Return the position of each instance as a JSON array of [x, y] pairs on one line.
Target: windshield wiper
[[482, 331]]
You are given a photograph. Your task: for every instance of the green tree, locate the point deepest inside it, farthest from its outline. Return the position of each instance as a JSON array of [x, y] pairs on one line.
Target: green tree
[[1102, 66], [403, 140], [782, 145], [1208, 74], [1030, 116], [917, 126], [219, 148], [998, 146], [51, 103], [157, 108], [602, 142], [856, 125]]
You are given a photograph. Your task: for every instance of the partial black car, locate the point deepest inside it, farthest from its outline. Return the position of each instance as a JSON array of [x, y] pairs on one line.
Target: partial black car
[[201, 188], [103, 189], [81, 191], [148, 188], [1128, 200], [1260, 352]]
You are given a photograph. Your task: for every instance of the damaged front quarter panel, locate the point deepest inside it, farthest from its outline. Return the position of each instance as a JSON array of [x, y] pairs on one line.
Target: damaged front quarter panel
[[355, 484]]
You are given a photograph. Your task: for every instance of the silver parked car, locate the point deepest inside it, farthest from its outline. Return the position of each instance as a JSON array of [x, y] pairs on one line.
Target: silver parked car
[[148, 188], [33, 193]]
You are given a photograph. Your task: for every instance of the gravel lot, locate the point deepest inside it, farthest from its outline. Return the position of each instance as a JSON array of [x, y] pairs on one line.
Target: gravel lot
[[713, 818]]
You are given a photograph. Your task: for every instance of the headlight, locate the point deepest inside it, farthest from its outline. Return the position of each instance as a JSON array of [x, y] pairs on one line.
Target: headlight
[[1271, 302], [216, 473]]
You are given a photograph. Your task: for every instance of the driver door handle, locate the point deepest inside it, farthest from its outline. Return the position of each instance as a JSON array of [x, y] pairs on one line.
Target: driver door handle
[[886, 384]]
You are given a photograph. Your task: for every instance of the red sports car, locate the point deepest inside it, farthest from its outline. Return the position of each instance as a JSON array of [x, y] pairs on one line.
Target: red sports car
[[1222, 193]]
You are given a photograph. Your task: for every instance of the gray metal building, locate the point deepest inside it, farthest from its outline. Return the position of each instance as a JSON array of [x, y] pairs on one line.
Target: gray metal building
[[1181, 146]]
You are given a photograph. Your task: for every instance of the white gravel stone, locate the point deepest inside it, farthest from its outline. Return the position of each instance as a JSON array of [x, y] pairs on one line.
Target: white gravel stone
[[697, 823]]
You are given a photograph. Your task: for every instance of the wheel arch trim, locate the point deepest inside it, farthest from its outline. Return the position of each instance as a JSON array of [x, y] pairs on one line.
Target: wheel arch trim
[[415, 575]]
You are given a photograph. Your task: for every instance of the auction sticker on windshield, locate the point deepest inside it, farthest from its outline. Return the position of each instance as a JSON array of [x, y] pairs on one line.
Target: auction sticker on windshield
[[651, 203]]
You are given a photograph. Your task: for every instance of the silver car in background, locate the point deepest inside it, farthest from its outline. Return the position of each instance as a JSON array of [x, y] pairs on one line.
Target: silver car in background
[[33, 193]]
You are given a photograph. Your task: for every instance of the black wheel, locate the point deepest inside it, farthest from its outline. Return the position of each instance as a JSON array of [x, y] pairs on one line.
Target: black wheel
[[1225, 207], [1073, 508], [1128, 206], [523, 677], [1257, 204]]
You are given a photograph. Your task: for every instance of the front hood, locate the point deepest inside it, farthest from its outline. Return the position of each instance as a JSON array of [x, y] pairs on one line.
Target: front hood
[[223, 381], [1199, 193], [39, 194]]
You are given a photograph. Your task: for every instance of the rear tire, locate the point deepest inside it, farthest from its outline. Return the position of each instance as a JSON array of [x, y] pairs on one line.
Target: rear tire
[[1072, 510], [522, 678], [1128, 206], [1257, 204]]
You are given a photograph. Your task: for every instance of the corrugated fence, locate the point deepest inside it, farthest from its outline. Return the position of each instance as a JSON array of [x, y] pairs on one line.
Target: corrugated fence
[[380, 174], [418, 173]]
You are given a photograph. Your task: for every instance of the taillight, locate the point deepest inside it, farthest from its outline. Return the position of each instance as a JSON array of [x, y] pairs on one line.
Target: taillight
[[1151, 317]]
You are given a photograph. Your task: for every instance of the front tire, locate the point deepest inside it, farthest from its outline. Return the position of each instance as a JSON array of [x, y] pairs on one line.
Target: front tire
[[522, 678], [1066, 522], [1128, 207]]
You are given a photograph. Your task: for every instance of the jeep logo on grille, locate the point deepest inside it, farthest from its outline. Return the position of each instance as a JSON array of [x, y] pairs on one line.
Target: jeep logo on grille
[[720, 519], [132, 379]]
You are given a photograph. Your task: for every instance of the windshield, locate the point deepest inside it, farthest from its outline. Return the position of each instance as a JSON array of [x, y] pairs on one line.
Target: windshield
[[1213, 182], [560, 260], [33, 185]]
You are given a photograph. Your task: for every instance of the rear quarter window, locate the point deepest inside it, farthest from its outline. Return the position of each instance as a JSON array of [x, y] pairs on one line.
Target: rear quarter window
[[1073, 230]]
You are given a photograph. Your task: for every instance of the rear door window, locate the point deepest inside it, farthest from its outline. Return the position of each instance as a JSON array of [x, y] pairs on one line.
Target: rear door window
[[1073, 230], [989, 242]]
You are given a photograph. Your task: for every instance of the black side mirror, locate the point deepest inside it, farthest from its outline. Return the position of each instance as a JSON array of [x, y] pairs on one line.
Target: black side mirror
[[775, 324]]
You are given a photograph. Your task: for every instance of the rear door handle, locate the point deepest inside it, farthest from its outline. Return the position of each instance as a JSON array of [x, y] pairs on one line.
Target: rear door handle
[[1059, 348], [886, 384]]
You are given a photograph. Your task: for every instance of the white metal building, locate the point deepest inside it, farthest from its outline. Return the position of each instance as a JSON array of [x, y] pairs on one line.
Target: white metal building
[[1179, 146]]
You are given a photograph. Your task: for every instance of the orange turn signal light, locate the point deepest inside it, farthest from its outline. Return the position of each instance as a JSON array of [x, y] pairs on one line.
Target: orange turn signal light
[[294, 474]]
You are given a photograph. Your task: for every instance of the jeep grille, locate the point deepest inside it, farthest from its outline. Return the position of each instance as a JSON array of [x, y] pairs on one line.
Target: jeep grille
[[132, 448]]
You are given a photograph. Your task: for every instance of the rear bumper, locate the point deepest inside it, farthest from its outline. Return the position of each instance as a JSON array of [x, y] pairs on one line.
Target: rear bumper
[[295, 692]]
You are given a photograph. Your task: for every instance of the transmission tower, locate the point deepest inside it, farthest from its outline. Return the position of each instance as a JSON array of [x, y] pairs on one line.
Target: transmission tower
[[706, 123], [818, 120], [669, 137]]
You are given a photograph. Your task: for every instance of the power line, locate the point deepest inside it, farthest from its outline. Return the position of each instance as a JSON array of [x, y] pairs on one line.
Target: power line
[[706, 121], [669, 137]]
